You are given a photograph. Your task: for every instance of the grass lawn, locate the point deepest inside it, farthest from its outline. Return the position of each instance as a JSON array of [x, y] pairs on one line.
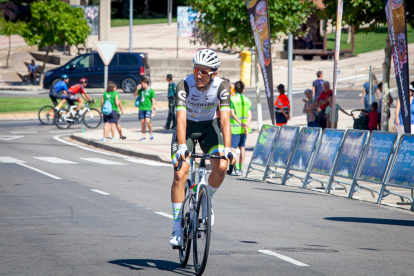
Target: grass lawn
[[374, 40], [125, 22], [34, 104]]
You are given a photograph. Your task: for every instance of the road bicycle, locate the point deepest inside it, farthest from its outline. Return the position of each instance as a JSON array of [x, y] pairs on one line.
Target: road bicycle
[[44, 115], [195, 221], [91, 117]]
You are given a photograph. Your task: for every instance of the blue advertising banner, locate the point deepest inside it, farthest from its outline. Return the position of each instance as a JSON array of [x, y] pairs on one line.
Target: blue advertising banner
[[264, 145], [283, 146], [402, 173], [350, 153], [378, 153], [328, 149], [303, 153]]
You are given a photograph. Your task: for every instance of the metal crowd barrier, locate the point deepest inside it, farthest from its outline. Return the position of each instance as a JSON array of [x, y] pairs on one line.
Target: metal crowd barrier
[[354, 155], [346, 76]]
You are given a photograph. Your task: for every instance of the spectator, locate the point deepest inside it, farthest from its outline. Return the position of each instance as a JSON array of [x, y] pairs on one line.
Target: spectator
[[282, 106], [329, 113], [317, 85], [398, 116], [323, 104], [118, 122], [390, 101], [146, 96], [308, 40], [373, 116], [310, 109], [110, 120], [32, 72], [241, 116], [366, 91], [172, 87]]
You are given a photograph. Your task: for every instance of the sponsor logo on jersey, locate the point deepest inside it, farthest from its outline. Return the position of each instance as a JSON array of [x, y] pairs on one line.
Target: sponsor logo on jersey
[[182, 95], [203, 104], [224, 94]]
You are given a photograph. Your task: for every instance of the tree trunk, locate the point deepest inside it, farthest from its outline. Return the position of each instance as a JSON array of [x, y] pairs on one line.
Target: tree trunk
[[349, 35], [8, 53], [385, 85], [44, 64]]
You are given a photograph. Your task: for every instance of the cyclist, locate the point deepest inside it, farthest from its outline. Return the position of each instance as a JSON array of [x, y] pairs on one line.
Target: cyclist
[[71, 96], [197, 98], [58, 91]]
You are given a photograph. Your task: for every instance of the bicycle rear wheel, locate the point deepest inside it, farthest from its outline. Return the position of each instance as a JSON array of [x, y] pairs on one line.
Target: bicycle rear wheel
[[44, 116], [202, 231], [92, 118], [60, 119], [184, 252]]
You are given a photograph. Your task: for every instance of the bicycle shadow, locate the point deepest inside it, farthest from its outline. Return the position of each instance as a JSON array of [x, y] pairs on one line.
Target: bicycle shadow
[[142, 264]]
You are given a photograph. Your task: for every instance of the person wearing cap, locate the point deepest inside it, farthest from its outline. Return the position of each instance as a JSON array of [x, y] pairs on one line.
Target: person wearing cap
[[282, 107], [58, 91], [171, 102], [399, 125]]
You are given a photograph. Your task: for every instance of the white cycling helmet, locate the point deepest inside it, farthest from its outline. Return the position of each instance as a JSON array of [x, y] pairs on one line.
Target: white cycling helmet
[[208, 58]]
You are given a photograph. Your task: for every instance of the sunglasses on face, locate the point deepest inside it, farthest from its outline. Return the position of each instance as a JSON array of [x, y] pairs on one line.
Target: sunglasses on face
[[203, 73]]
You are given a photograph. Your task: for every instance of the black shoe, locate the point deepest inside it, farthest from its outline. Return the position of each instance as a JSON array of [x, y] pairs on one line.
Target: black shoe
[[122, 138]]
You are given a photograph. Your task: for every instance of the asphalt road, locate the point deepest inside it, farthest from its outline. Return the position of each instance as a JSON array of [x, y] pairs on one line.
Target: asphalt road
[[93, 213]]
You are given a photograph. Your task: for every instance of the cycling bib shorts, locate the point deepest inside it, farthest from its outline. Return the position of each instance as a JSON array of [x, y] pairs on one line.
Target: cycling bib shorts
[[54, 96]]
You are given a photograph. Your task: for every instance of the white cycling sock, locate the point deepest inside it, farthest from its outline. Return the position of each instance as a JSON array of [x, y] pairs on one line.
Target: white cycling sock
[[212, 191], [176, 208]]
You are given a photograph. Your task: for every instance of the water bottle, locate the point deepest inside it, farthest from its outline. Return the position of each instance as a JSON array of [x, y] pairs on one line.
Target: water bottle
[[83, 129]]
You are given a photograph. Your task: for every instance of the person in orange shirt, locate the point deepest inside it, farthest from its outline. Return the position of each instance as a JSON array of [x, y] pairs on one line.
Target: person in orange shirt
[[282, 107]]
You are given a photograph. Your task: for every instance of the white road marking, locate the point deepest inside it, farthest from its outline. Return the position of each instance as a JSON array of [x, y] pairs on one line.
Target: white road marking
[[282, 257], [39, 171], [57, 138], [102, 161], [24, 132], [164, 214], [8, 159], [61, 131], [148, 162], [55, 160], [99, 192], [9, 137]]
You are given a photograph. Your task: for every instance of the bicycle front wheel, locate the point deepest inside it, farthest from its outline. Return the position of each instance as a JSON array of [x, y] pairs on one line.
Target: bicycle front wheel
[[45, 117], [63, 119], [92, 118], [202, 230], [184, 252]]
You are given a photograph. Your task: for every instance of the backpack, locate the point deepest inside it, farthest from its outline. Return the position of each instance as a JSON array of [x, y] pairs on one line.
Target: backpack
[[107, 108]]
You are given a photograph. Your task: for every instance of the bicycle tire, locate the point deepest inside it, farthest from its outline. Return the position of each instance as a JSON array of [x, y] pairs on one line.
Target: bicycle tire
[[201, 232], [94, 118], [184, 252], [59, 120], [42, 115]]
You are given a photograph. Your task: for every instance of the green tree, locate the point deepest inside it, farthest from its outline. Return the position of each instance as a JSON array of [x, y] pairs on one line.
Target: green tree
[[54, 22], [9, 28], [227, 23], [359, 13]]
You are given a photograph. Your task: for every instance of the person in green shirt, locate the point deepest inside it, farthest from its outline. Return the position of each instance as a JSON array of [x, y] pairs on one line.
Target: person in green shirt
[[146, 97], [110, 120], [241, 116]]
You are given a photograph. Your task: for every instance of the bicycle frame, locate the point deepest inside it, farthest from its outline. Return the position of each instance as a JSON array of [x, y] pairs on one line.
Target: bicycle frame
[[73, 113]]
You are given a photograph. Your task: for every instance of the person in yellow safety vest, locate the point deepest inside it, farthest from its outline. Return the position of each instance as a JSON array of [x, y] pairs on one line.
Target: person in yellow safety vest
[[241, 116]]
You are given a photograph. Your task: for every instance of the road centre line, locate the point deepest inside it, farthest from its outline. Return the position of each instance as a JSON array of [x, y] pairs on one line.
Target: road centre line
[[39, 171], [282, 257], [99, 192], [24, 132], [55, 160], [164, 214]]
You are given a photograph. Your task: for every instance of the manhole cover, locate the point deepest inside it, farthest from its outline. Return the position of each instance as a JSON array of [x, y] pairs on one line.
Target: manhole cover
[[303, 249]]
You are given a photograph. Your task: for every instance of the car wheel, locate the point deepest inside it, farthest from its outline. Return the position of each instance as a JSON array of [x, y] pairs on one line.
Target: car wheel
[[54, 82], [129, 85]]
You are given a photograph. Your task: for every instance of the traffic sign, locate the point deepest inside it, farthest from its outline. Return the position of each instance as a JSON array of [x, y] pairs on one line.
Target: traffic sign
[[106, 50]]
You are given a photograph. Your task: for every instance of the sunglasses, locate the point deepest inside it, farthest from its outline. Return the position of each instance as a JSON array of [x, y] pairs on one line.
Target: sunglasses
[[203, 73]]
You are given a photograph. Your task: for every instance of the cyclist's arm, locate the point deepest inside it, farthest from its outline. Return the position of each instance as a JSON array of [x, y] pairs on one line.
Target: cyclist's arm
[[86, 97], [182, 93], [224, 96]]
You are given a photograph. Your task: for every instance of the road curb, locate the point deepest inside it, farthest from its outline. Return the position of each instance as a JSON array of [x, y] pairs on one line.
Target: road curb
[[153, 157]]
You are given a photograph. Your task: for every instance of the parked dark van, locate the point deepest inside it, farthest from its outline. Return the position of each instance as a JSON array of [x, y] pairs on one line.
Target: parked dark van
[[125, 69]]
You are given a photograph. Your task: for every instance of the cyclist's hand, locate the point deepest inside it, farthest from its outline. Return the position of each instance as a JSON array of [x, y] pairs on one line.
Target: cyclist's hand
[[180, 154], [227, 153]]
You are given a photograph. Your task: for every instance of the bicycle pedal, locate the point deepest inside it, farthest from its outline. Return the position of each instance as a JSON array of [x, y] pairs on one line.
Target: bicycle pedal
[[176, 247]]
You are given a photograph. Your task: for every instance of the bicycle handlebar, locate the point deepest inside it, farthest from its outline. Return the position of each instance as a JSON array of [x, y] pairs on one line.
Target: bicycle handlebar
[[205, 156]]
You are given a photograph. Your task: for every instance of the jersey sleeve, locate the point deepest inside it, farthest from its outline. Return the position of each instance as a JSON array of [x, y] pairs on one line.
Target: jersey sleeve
[[224, 96], [65, 87], [182, 94], [153, 95], [82, 89]]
